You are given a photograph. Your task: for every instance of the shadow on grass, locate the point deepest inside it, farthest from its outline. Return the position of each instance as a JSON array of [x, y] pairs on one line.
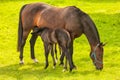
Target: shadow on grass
[[17, 71], [36, 70]]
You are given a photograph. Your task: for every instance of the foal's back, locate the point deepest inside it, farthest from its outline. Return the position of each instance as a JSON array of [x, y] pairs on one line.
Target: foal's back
[[58, 35], [48, 35], [63, 37]]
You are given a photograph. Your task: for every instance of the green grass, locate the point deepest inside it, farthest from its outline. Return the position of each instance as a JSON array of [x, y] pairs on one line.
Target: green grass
[[106, 15]]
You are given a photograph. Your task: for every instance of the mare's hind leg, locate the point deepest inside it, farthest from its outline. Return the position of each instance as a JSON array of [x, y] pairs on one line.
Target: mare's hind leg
[[21, 51], [71, 56], [52, 54], [32, 44], [24, 37]]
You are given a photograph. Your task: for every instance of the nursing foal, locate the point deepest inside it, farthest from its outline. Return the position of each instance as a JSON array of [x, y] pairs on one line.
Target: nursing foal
[[51, 37]]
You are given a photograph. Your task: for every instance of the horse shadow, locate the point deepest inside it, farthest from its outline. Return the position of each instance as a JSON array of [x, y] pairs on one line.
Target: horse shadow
[[19, 71]]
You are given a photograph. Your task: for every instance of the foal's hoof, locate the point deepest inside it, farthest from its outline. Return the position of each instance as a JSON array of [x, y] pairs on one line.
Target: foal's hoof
[[64, 70], [21, 62], [54, 65], [56, 60], [61, 64], [35, 60]]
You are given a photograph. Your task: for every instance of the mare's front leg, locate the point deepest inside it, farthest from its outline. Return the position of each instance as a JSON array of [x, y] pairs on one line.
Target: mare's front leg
[[32, 44], [71, 56], [46, 48]]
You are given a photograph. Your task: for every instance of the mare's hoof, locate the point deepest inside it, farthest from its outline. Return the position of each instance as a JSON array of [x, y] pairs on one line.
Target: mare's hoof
[[35, 60], [21, 62]]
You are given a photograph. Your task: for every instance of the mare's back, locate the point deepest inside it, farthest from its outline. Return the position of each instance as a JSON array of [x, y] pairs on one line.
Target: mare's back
[[40, 14]]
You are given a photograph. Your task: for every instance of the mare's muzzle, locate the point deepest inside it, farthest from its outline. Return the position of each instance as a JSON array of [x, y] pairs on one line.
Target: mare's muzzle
[[97, 63]]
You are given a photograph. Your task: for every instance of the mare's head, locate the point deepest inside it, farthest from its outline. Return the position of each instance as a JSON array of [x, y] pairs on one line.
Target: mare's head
[[97, 56]]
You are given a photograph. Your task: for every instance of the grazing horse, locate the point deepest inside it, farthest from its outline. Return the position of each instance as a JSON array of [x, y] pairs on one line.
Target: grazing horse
[[51, 37], [70, 18]]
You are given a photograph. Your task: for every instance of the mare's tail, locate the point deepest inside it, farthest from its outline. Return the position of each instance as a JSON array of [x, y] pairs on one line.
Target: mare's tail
[[20, 30]]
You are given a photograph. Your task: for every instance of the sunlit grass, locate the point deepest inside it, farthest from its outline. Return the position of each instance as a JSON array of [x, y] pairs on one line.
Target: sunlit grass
[[106, 16]]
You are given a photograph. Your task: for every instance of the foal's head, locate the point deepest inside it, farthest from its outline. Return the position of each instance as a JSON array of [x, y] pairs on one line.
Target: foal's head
[[97, 56], [39, 31]]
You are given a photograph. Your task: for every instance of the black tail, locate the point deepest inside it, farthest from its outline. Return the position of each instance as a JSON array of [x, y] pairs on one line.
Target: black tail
[[20, 30]]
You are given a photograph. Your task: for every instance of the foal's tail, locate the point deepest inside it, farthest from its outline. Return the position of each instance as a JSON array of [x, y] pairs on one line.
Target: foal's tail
[[20, 30], [69, 43]]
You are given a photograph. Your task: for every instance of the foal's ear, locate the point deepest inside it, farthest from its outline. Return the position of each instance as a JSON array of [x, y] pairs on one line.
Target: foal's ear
[[33, 32], [103, 44]]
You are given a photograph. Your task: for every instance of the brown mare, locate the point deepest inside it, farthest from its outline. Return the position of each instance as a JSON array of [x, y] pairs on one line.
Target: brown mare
[[70, 18], [52, 37]]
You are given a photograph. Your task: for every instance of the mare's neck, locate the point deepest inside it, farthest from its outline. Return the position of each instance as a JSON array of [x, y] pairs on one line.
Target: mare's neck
[[92, 35]]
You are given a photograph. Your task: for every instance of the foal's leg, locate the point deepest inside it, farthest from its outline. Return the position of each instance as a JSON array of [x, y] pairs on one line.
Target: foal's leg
[[55, 52], [46, 47], [62, 58], [67, 54], [69, 58], [32, 44], [65, 65], [52, 54]]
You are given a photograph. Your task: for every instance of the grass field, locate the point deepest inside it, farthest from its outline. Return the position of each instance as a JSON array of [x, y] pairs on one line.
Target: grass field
[[106, 15]]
